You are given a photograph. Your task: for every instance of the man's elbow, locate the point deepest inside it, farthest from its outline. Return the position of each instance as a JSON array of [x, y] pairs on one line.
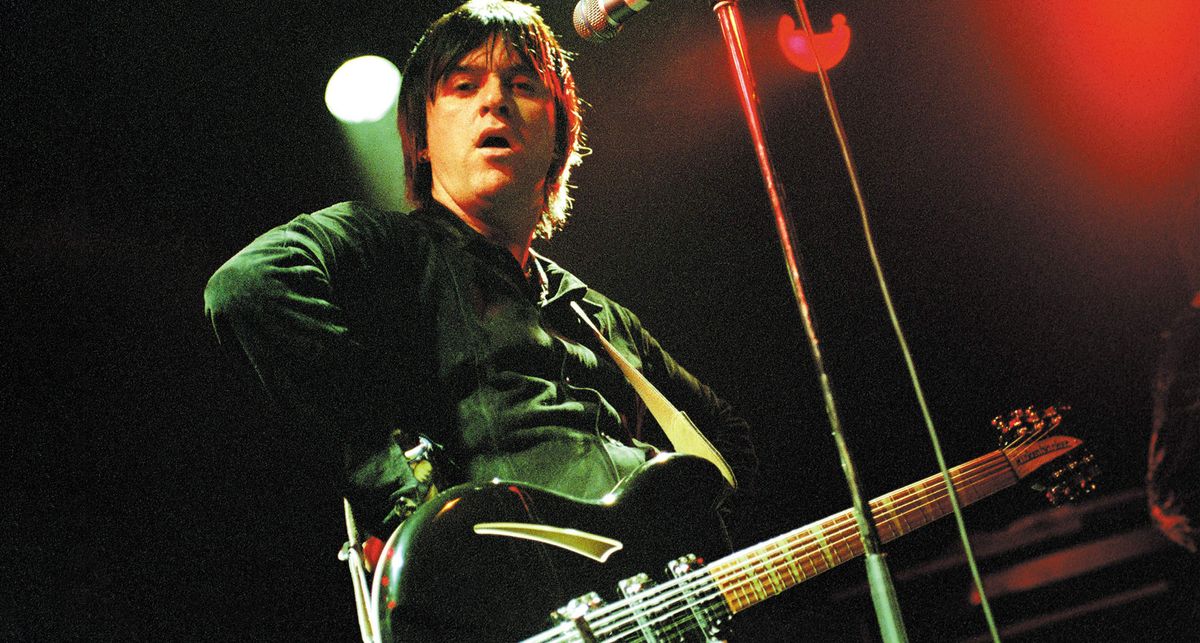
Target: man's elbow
[[232, 290]]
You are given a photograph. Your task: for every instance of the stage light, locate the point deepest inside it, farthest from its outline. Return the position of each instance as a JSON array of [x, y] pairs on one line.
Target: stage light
[[363, 89], [1109, 90], [830, 46], [362, 95]]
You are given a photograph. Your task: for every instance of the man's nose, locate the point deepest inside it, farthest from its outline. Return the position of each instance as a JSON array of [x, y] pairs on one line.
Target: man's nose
[[494, 97]]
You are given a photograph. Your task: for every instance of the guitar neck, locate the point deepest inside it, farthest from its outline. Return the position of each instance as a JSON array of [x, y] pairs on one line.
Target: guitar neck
[[753, 575]]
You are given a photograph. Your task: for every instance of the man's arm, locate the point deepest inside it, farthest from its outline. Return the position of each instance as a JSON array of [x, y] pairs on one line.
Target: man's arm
[[285, 308], [272, 307]]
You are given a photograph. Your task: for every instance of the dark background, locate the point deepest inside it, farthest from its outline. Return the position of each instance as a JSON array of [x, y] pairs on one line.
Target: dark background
[[1027, 246]]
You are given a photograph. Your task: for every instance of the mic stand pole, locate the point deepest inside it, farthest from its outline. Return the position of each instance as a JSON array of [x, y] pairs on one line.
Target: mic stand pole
[[883, 592]]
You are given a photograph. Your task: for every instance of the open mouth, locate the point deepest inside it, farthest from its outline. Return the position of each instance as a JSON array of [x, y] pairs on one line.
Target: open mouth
[[495, 142]]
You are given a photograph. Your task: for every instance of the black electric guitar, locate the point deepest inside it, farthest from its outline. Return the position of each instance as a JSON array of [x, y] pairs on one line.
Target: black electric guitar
[[506, 562]]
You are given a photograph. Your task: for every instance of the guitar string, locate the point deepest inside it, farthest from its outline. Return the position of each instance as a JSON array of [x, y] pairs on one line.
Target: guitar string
[[689, 584], [836, 531], [678, 588], [892, 507], [842, 529], [897, 507], [675, 589], [712, 578], [1031, 440]]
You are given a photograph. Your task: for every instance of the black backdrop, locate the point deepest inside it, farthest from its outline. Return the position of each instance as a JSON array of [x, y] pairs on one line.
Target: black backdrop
[[156, 496]]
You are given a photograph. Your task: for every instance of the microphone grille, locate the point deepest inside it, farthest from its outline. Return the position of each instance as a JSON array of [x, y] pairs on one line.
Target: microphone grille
[[591, 22]]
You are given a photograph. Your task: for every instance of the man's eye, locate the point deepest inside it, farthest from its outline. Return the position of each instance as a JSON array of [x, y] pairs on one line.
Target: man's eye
[[527, 85], [463, 86]]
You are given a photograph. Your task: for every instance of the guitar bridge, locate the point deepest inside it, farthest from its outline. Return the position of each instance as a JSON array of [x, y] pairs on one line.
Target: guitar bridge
[[706, 621]]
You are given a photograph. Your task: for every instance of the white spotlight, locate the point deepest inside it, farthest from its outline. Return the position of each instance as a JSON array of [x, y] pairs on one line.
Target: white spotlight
[[363, 89]]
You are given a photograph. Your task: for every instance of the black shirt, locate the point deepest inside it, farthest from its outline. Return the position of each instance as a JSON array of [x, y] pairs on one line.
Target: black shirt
[[367, 325]]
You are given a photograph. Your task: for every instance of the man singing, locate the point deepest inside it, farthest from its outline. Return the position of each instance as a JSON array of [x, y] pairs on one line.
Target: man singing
[[371, 328]]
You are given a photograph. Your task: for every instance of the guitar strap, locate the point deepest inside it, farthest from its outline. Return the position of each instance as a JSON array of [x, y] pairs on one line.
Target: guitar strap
[[679, 428]]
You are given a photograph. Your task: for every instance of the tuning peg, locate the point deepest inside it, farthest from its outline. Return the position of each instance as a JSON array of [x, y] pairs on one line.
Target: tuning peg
[[1022, 423], [1071, 481]]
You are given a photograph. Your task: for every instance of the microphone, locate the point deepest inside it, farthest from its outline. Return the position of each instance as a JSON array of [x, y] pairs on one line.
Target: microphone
[[600, 20]]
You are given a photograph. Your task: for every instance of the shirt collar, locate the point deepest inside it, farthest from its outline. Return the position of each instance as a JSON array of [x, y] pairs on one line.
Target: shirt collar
[[561, 286], [557, 287], [452, 227]]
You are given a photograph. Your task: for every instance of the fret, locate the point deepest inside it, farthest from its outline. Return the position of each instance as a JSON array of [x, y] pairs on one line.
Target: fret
[[804, 546], [842, 532], [777, 569], [853, 543], [755, 584], [885, 516], [904, 503], [745, 589], [931, 501], [923, 506], [769, 574], [904, 526], [798, 574], [822, 546]]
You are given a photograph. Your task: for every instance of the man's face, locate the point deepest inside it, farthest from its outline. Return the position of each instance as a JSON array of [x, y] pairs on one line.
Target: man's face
[[491, 137]]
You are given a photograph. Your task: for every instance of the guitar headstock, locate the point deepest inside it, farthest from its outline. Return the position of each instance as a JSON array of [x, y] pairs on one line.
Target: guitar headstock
[[1059, 466]]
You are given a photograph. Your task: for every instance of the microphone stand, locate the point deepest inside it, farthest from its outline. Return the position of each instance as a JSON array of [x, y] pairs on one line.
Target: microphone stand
[[883, 591]]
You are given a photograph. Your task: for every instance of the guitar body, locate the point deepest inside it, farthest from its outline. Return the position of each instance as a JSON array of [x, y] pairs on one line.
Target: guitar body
[[440, 579]]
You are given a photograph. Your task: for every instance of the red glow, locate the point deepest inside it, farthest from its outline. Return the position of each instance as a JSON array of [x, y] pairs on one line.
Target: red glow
[[830, 47], [372, 549], [1069, 563], [1112, 88]]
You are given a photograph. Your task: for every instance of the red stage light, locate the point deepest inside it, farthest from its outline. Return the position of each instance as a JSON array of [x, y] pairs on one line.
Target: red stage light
[[829, 47], [1111, 87]]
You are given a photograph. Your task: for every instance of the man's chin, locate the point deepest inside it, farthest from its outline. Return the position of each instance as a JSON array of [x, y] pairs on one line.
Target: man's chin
[[503, 189]]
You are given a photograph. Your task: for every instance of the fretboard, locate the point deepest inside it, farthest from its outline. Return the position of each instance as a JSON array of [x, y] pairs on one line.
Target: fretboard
[[752, 575]]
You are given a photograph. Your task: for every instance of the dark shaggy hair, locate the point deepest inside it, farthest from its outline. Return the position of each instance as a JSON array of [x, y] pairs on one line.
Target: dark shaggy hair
[[457, 34]]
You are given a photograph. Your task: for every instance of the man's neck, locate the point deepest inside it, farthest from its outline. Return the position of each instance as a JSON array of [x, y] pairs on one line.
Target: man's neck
[[505, 222], [517, 245]]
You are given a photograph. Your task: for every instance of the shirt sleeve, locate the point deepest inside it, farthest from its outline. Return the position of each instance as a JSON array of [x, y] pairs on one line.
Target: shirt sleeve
[[282, 308], [273, 306]]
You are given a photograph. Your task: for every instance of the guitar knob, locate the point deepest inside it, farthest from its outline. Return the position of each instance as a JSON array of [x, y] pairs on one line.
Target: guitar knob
[[683, 565], [634, 585]]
